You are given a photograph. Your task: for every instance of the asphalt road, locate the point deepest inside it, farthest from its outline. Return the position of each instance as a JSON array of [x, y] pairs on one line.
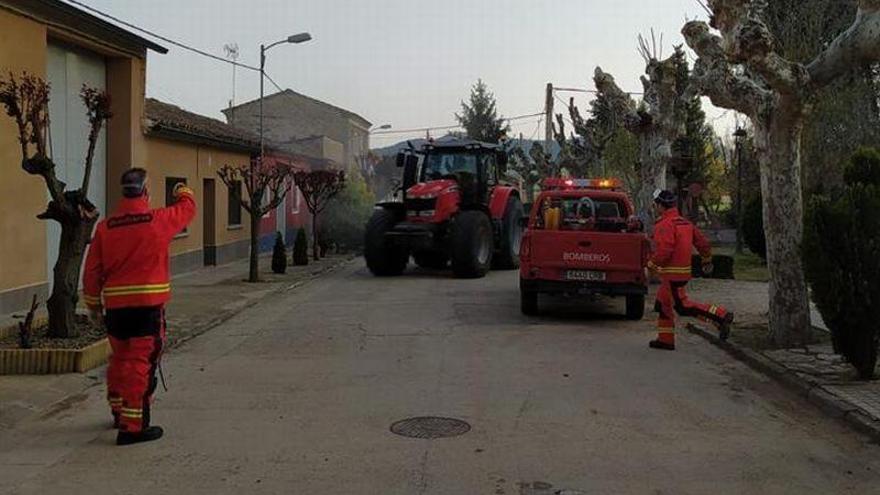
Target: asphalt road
[[297, 394]]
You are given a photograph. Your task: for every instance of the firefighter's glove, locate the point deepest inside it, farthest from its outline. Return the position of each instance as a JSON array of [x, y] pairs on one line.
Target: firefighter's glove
[[180, 188], [96, 316]]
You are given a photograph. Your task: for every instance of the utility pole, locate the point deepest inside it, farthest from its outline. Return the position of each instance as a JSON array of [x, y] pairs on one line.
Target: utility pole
[[548, 117]]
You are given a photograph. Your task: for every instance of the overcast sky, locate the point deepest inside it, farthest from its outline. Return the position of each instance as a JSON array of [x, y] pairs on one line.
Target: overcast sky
[[407, 63]]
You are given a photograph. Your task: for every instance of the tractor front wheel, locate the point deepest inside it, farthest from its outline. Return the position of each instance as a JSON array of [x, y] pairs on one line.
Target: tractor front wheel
[[471, 237], [383, 258]]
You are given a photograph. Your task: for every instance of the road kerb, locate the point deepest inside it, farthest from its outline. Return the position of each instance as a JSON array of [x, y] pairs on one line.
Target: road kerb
[[830, 404]]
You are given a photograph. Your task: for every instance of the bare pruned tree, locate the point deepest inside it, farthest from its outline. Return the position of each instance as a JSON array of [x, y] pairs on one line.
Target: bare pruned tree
[[740, 68], [318, 187], [266, 183], [26, 100]]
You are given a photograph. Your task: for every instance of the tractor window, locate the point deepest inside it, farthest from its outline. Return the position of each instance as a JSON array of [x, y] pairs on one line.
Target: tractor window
[[489, 164], [440, 165]]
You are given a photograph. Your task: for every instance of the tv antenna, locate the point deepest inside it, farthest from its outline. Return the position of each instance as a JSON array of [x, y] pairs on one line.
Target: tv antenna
[[232, 53]]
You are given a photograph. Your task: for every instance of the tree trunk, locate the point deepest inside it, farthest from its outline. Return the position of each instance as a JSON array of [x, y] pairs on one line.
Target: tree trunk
[[315, 254], [75, 235], [655, 153], [254, 273], [778, 140]]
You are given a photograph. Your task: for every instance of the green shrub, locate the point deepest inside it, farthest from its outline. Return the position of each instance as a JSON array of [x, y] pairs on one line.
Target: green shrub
[[301, 249], [343, 223], [279, 255], [841, 252], [753, 227]]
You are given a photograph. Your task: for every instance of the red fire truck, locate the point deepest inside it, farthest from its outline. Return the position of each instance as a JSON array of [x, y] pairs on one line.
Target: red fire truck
[[583, 238]]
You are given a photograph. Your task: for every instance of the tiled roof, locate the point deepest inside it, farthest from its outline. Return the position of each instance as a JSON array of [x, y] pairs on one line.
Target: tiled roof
[[173, 121], [289, 92]]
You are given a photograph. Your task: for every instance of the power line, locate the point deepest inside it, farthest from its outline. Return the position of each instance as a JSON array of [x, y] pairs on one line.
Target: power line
[[173, 42], [449, 127], [591, 91], [159, 36]]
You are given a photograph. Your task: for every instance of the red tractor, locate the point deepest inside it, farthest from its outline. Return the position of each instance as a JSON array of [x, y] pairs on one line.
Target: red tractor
[[455, 209]]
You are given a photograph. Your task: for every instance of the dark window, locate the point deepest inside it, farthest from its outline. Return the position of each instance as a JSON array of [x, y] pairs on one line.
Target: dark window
[[170, 182], [234, 202]]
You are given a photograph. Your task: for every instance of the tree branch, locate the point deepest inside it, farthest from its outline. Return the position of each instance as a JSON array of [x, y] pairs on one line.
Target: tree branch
[[854, 48], [97, 105], [714, 76], [621, 102]]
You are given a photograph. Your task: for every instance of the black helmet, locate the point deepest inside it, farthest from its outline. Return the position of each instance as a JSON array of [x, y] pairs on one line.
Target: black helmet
[[665, 198]]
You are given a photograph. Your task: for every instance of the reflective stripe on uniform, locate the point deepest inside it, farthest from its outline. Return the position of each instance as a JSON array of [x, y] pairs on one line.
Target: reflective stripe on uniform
[[91, 299], [131, 413], [129, 290], [676, 269], [663, 330]]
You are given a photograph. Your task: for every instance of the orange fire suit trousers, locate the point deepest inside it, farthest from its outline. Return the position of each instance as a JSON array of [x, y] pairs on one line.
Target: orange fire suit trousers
[[137, 336], [672, 298]]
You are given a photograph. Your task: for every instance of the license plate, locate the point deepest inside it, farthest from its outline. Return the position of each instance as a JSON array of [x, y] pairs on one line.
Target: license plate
[[585, 275]]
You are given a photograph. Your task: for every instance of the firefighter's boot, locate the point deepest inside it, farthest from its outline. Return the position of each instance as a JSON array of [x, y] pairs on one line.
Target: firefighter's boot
[[663, 346], [148, 435], [724, 326]]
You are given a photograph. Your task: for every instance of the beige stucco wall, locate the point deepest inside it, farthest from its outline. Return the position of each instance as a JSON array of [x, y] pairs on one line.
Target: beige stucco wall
[[165, 158], [22, 196]]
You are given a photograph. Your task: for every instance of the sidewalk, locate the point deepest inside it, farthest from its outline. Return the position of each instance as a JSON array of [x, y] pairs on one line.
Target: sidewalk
[[814, 371], [201, 300]]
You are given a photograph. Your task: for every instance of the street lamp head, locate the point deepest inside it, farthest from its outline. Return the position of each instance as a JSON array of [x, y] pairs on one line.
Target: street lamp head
[[299, 38], [384, 127]]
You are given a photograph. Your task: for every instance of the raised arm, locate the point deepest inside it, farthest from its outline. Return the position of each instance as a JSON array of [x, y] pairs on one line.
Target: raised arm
[[176, 217]]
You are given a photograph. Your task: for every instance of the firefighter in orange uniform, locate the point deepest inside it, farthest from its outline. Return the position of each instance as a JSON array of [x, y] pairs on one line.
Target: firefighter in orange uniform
[[674, 241], [128, 267]]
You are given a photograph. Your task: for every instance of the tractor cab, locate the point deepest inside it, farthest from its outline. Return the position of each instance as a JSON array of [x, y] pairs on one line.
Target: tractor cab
[[444, 175]]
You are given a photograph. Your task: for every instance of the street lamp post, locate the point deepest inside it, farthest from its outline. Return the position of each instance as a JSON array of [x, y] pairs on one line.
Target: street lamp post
[[296, 39]]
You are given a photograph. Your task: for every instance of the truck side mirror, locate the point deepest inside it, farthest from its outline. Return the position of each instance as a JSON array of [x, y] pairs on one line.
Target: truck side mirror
[[401, 160], [410, 170], [502, 163]]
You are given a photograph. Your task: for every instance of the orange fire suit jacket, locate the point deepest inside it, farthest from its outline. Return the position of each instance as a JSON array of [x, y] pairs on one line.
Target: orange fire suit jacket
[[128, 262], [674, 241]]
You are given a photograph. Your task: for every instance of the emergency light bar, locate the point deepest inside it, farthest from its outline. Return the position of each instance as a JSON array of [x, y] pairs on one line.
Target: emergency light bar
[[554, 183]]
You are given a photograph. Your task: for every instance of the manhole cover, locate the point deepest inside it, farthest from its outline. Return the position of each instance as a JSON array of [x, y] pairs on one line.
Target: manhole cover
[[430, 427]]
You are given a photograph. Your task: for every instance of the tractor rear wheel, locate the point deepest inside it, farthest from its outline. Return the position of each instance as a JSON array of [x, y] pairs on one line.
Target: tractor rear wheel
[[383, 258], [507, 256], [471, 237], [431, 260]]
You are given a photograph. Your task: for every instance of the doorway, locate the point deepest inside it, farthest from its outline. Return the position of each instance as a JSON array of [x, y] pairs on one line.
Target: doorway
[[209, 222]]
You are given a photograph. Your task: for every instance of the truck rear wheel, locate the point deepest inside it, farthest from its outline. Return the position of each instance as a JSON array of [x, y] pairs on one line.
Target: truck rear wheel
[[383, 258], [635, 307], [528, 302], [431, 260], [471, 237], [507, 257]]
